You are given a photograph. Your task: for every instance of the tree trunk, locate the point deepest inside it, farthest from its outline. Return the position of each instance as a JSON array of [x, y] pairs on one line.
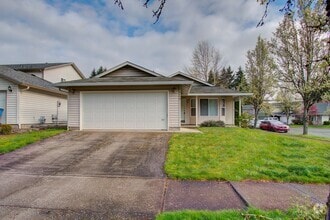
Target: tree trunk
[[305, 120], [287, 118], [256, 112]]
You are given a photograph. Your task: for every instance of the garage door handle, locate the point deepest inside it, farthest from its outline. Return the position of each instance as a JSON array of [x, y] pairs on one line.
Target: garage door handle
[[163, 119]]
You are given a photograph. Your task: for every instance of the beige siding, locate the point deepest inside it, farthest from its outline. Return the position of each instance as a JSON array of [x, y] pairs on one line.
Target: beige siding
[[74, 110], [34, 104], [174, 108], [65, 72], [127, 71], [11, 103]]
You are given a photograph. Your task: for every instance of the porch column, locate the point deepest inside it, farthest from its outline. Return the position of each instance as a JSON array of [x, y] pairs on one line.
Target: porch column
[[239, 109], [197, 111]]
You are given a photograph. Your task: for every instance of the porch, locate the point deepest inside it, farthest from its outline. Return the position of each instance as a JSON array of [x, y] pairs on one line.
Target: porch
[[197, 109]]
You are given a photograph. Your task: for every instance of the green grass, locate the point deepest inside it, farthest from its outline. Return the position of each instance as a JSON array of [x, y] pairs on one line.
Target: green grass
[[238, 154], [251, 213], [14, 141]]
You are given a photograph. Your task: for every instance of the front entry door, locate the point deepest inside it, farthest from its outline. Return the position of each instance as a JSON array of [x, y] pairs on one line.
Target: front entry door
[[183, 110], [3, 106]]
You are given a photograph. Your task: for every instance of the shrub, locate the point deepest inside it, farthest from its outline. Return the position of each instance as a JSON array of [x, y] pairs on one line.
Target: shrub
[[245, 119], [212, 123], [326, 123], [5, 129], [297, 122]]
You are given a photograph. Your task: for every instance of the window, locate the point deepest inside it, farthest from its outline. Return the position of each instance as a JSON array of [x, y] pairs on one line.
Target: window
[[223, 107], [208, 107], [193, 107]]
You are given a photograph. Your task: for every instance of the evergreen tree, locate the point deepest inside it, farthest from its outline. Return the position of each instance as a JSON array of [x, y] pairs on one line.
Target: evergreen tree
[[239, 83], [226, 78], [100, 70]]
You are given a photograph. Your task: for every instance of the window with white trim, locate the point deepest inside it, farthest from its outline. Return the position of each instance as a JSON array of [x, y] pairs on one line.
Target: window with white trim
[[192, 107], [223, 107], [208, 107]]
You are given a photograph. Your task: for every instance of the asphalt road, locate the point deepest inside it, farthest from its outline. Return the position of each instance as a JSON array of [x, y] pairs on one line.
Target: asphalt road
[[321, 132]]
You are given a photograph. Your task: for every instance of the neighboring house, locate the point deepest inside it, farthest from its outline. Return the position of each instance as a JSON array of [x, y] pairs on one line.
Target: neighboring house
[[129, 96], [27, 98], [319, 113]]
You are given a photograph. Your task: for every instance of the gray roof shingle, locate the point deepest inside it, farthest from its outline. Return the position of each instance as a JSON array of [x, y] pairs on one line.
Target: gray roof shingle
[[212, 90], [33, 66], [26, 79]]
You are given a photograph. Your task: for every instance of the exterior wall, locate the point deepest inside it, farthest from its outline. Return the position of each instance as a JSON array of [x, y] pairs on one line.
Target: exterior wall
[[66, 72], [174, 108], [33, 104], [174, 103], [127, 71], [11, 115], [74, 110]]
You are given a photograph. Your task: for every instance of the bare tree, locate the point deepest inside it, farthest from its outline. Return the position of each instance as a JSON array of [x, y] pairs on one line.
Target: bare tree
[[156, 13], [206, 60], [259, 73], [299, 50], [291, 7]]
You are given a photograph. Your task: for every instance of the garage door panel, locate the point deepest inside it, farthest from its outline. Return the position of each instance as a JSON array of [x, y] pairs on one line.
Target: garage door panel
[[140, 110]]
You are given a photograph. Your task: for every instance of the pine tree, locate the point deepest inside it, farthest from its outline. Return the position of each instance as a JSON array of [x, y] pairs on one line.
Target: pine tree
[[239, 83], [100, 70], [226, 78]]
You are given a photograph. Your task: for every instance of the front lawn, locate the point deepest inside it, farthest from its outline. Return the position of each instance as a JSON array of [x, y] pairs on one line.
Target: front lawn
[[251, 213], [14, 141], [247, 154]]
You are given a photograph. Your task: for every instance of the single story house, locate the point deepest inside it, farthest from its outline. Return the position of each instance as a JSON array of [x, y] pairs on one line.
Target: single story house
[[27, 98], [129, 96]]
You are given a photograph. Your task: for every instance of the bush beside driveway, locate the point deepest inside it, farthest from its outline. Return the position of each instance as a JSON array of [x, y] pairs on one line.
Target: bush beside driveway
[[238, 154]]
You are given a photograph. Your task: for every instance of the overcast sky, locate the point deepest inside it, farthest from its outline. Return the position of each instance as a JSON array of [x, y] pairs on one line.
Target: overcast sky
[[94, 33]]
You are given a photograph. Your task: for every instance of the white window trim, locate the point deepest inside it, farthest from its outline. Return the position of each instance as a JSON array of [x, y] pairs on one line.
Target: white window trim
[[207, 103], [223, 107]]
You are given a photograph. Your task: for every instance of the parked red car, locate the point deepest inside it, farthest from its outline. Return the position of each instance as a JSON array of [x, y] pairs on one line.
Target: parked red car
[[276, 126]]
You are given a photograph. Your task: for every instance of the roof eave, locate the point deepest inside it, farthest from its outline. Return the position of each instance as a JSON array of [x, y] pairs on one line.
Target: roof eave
[[220, 94], [65, 85]]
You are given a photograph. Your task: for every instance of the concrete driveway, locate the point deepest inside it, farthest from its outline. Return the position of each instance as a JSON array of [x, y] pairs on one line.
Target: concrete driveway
[[85, 175]]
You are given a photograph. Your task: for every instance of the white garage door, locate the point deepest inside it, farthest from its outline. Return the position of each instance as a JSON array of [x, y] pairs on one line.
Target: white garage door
[[124, 110]]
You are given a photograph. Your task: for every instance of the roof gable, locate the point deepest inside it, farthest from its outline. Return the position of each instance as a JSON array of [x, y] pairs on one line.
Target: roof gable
[[186, 76], [128, 69], [40, 67]]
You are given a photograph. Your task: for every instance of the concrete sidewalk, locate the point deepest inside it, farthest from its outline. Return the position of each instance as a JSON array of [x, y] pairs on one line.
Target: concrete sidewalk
[[96, 197]]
